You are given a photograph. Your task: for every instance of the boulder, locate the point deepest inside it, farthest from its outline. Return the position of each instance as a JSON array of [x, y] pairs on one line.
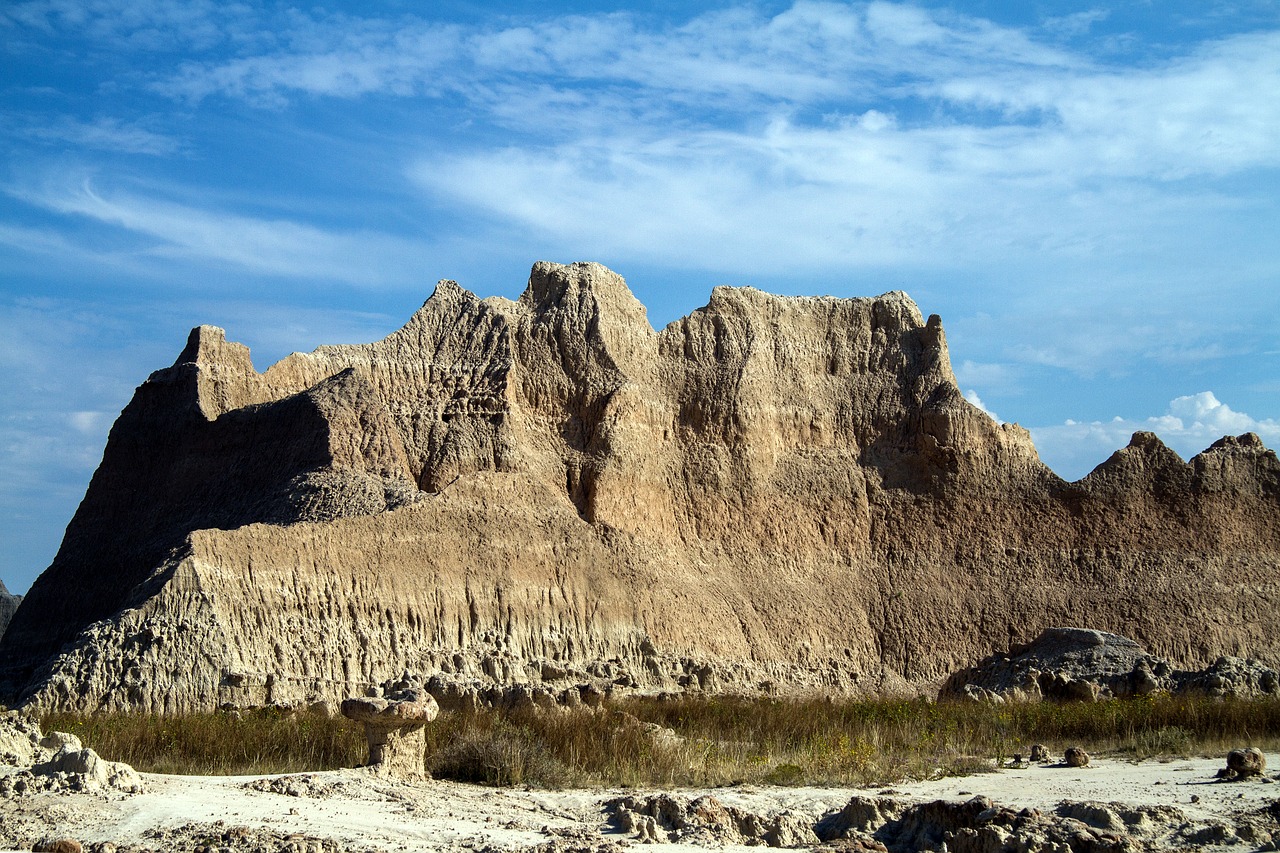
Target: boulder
[[1242, 678], [1074, 756], [1243, 764], [57, 845], [56, 762], [92, 771], [19, 739], [706, 821]]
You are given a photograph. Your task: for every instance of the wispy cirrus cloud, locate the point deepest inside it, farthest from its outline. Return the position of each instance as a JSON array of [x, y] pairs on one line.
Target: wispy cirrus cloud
[[148, 25], [104, 133], [854, 135], [278, 247], [810, 52]]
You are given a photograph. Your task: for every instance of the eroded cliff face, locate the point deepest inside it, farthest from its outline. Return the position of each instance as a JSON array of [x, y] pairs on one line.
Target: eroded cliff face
[[772, 493], [8, 604]]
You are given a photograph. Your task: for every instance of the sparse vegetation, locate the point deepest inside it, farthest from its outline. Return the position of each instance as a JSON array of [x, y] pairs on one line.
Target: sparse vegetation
[[695, 741], [216, 743]]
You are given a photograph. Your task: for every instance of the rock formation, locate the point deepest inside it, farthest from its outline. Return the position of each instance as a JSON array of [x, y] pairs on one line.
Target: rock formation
[[888, 825], [8, 604], [1078, 664], [394, 726], [55, 762], [1243, 764], [772, 493]]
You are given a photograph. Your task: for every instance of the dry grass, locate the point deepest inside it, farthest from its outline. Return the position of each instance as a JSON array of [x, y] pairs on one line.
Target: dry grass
[[716, 740], [218, 744]]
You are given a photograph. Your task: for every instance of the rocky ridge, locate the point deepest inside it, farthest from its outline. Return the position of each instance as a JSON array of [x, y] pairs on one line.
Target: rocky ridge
[[770, 494]]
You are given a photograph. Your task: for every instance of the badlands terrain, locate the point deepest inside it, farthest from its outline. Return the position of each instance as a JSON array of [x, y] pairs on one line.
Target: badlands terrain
[[545, 503], [771, 495]]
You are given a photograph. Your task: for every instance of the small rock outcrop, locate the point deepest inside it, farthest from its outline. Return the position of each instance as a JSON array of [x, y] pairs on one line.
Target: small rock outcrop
[[980, 825], [394, 727], [1243, 764], [1074, 756], [1079, 664], [56, 762], [548, 492], [705, 820]]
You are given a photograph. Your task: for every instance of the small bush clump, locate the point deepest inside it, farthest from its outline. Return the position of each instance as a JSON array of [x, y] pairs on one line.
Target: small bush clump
[[503, 754]]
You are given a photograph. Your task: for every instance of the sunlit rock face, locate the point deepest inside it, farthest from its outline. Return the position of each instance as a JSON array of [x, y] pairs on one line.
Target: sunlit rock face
[[770, 494]]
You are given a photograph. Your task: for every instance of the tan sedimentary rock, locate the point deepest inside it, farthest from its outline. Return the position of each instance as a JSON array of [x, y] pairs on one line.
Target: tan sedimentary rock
[[772, 494], [1244, 763], [1078, 664], [394, 726], [1074, 756]]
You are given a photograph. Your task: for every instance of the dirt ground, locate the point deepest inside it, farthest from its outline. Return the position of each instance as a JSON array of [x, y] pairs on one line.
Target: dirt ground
[[354, 810]]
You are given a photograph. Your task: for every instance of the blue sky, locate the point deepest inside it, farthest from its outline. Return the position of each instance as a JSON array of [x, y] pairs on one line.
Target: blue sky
[[1088, 195]]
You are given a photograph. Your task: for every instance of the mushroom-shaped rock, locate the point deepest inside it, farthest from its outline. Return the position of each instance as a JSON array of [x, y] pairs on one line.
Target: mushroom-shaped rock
[[394, 726]]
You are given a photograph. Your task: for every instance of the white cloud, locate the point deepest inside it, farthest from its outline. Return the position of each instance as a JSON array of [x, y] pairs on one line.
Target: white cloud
[[1203, 413], [278, 247], [150, 25], [1189, 425], [348, 59], [1201, 114], [103, 134], [857, 194], [90, 423], [813, 50], [847, 133], [1076, 23]]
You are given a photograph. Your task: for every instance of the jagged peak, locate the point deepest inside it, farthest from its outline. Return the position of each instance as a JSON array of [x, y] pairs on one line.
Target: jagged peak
[[1249, 442], [570, 286], [1147, 448], [209, 345], [1145, 457], [447, 295]]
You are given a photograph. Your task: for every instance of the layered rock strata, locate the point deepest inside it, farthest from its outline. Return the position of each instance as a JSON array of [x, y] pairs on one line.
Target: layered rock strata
[[772, 493]]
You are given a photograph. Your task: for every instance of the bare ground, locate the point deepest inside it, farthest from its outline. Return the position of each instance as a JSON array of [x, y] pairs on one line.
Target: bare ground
[[354, 810]]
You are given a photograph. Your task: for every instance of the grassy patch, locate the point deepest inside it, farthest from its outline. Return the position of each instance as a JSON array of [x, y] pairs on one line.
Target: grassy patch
[[216, 743], [696, 741]]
